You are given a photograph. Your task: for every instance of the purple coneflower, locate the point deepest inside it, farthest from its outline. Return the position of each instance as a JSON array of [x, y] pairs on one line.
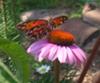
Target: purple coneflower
[[60, 46]]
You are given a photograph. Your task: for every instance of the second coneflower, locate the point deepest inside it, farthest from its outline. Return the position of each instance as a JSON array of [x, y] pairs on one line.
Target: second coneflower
[[60, 46]]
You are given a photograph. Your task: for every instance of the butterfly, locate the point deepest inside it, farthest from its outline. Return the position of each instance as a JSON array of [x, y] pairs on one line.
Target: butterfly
[[37, 28]]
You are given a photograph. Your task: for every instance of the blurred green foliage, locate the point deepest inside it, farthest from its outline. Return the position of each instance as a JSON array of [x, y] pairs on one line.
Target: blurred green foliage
[[5, 75], [19, 57]]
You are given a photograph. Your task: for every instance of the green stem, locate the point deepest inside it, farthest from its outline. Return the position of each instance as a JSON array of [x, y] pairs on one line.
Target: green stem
[[56, 71]]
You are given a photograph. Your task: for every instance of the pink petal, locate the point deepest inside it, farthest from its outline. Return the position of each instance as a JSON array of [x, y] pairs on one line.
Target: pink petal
[[78, 55], [64, 55], [44, 52], [36, 45], [81, 52], [70, 58], [59, 54], [52, 53]]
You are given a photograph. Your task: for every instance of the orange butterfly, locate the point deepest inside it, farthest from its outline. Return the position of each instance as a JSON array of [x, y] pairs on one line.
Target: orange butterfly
[[40, 27]]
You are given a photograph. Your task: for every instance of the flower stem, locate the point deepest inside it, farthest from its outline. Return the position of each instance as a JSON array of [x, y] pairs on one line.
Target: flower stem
[[56, 65], [89, 61]]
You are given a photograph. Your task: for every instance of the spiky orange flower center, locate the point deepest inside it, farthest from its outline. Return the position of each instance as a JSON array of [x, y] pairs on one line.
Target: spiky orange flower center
[[60, 37]]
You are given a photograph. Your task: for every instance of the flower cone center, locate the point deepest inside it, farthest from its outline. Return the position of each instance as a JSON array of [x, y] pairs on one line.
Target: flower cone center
[[61, 38]]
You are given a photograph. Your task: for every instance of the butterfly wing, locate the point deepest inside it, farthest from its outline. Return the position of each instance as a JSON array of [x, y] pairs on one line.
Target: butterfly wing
[[58, 20], [34, 28], [31, 24], [38, 31]]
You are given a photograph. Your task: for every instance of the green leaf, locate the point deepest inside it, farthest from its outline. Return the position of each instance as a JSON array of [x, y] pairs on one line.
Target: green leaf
[[19, 57], [6, 76]]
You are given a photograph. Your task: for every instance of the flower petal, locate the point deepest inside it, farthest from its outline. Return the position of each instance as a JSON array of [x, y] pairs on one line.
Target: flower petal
[[70, 58], [81, 52], [52, 53], [44, 51], [79, 56], [36, 45], [59, 54], [64, 55]]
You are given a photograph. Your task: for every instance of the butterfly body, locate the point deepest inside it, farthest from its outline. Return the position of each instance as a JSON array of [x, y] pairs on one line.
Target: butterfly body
[[40, 27]]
